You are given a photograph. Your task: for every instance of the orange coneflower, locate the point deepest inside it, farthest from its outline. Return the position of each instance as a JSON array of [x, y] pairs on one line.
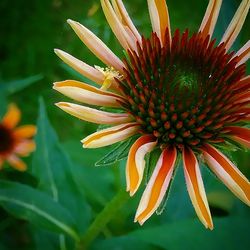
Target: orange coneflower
[[184, 94], [15, 141]]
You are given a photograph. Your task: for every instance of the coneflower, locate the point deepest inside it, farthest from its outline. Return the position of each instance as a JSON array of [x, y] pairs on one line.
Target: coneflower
[[15, 141], [185, 94]]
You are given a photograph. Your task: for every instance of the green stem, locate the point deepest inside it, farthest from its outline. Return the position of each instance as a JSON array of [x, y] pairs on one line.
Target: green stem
[[101, 220]]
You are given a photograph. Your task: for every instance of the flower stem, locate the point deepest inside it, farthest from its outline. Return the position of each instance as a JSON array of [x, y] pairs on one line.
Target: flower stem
[[101, 220]]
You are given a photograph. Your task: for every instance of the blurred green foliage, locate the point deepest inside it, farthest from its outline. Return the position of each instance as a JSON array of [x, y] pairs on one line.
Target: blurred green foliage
[[61, 173]]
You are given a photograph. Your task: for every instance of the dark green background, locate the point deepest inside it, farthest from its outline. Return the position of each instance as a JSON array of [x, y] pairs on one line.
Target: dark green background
[[29, 31]]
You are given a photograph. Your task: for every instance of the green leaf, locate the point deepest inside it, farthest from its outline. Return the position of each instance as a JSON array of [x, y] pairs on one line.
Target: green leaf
[[15, 86], [118, 153], [53, 169], [36, 207], [230, 233], [3, 104], [151, 160]]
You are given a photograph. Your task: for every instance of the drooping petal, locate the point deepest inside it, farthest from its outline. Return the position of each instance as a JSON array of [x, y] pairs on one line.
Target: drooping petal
[[93, 115], [17, 163], [227, 172], [110, 136], [24, 148], [210, 18], [12, 117], [136, 163], [159, 16], [240, 135], [26, 131], [125, 18], [196, 188], [157, 185], [126, 41], [236, 24], [243, 53], [88, 94], [96, 46], [81, 67]]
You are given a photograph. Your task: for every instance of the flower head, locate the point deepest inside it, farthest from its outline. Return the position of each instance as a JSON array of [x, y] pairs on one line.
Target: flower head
[[184, 94], [15, 141]]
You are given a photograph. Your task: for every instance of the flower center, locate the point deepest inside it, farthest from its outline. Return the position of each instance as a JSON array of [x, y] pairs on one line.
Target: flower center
[[6, 140], [181, 93]]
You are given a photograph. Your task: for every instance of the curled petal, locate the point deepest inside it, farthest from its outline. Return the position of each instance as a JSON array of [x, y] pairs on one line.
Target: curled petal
[[12, 117], [85, 93], [110, 136], [93, 115], [126, 41], [157, 185], [26, 131], [159, 16], [96, 46], [24, 148], [210, 18], [243, 53], [236, 24], [81, 67], [240, 135], [196, 188], [136, 163], [125, 19], [228, 173], [17, 163]]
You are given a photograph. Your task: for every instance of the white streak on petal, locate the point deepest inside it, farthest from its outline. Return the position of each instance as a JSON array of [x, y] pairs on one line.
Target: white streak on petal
[[118, 28], [110, 136], [145, 205], [210, 18], [93, 115], [196, 188], [243, 53], [125, 18], [81, 67], [85, 93], [226, 176], [140, 161], [236, 24], [97, 46]]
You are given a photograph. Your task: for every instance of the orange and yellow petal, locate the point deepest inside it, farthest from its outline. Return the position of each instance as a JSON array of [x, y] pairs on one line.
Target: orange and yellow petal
[[136, 162], [123, 15], [88, 94], [25, 131], [195, 187], [243, 53], [236, 24], [94, 115], [16, 163], [97, 47], [227, 172], [81, 67], [157, 185], [12, 117], [121, 32], [25, 147], [111, 135], [210, 18], [240, 135], [159, 17]]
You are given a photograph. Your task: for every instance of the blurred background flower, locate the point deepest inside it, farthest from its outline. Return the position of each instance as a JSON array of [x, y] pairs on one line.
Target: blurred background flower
[[65, 190], [15, 142]]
